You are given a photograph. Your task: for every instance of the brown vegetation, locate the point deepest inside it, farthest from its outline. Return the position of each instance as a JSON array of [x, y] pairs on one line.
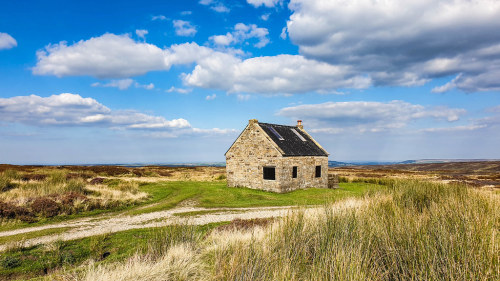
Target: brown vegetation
[[475, 174]]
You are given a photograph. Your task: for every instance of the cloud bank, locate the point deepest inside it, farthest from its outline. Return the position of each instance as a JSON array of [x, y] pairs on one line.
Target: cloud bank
[[363, 116], [403, 43], [73, 110]]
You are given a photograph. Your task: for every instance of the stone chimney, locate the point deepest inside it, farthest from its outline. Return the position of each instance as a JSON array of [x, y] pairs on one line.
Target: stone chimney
[[299, 124], [253, 121]]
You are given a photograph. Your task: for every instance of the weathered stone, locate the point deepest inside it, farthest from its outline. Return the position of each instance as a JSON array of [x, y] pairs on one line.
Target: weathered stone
[[253, 150]]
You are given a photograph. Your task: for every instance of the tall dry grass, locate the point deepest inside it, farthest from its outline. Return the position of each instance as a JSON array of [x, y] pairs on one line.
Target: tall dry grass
[[413, 231], [27, 196]]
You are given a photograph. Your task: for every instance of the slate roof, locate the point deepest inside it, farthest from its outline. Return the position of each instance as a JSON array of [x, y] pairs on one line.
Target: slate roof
[[291, 144]]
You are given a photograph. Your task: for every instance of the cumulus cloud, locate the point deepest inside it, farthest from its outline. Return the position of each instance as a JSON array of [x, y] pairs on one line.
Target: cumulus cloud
[[184, 28], [211, 97], [404, 42], [141, 33], [7, 41], [159, 17], [241, 33], [361, 116], [217, 6], [103, 57], [121, 84], [106, 56], [113, 56], [267, 3], [178, 90], [282, 74], [73, 110], [220, 8]]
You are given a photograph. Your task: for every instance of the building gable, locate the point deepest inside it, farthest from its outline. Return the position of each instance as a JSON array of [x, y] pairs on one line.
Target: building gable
[[253, 139]]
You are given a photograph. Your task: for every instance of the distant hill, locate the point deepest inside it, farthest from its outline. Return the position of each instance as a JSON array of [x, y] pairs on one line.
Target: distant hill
[[420, 161]]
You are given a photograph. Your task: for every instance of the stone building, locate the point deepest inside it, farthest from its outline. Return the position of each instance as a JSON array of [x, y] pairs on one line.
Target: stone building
[[276, 158]]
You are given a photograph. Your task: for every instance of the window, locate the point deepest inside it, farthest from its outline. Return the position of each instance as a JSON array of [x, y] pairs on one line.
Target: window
[[318, 171], [269, 173], [276, 133], [298, 135], [294, 172]]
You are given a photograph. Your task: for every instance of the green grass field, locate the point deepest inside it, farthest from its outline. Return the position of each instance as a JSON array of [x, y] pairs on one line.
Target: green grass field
[[166, 195]]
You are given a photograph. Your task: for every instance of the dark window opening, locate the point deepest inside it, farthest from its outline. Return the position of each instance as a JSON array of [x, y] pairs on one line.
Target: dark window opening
[[294, 172], [269, 173], [318, 171]]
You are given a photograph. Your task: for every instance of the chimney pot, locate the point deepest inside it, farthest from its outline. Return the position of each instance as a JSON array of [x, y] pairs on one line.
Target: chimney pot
[[299, 124]]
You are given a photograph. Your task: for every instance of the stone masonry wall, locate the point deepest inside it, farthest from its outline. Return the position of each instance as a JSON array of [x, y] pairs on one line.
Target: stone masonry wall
[[253, 150]]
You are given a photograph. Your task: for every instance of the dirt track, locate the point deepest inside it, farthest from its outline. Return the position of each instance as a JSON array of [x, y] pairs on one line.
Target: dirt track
[[92, 226]]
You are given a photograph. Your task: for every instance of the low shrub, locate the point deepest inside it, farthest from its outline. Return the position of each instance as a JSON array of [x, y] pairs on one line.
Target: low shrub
[[11, 211], [239, 224], [33, 177], [6, 184], [46, 207], [96, 181], [10, 262]]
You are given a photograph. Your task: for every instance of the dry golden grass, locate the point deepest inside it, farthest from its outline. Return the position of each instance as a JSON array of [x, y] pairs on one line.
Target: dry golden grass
[[414, 231], [29, 195]]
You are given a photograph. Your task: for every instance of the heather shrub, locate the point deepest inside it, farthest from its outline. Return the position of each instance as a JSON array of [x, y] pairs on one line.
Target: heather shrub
[[45, 207]]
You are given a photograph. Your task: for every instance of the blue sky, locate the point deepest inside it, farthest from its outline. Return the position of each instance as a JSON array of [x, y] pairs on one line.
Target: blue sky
[[176, 81]]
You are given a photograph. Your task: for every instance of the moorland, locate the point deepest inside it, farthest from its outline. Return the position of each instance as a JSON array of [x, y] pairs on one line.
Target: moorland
[[393, 222]]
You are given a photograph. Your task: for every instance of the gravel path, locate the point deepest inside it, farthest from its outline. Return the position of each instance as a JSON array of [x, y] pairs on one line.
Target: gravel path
[[95, 226]]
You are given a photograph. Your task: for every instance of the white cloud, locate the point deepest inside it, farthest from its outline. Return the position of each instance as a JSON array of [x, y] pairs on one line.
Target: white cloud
[[185, 13], [283, 34], [7, 41], [220, 8], [403, 42], [118, 56], [113, 56], [159, 17], [121, 84], [453, 129], [106, 56], [242, 97], [184, 28], [73, 110], [149, 86], [361, 116], [271, 75], [222, 40], [267, 3], [141, 33], [217, 6], [265, 17], [241, 33], [178, 90], [211, 97]]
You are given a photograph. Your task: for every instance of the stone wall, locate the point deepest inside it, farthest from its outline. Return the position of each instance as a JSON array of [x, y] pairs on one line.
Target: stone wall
[[254, 150]]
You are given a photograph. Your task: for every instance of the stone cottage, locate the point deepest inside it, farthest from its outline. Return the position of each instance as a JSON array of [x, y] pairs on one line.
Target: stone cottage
[[276, 158]]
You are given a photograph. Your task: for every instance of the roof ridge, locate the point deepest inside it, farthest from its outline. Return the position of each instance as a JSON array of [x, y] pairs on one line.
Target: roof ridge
[[277, 124]]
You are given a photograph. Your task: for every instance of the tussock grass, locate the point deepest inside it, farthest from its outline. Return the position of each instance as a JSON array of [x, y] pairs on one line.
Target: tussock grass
[[411, 231], [28, 196], [422, 231], [180, 262]]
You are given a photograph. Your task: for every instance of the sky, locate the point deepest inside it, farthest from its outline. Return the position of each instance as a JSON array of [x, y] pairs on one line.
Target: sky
[[175, 81]]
